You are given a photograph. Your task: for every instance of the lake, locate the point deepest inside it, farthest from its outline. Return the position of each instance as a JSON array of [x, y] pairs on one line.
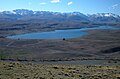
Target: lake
[[60, 34]]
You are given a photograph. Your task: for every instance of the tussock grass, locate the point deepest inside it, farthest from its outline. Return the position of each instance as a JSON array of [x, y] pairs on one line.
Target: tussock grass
[[17, 70]]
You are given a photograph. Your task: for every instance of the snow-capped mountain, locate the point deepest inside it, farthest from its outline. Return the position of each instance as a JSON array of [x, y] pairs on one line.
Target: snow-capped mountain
[[29, 14], [23, 11], [105, 15], [21, 14]]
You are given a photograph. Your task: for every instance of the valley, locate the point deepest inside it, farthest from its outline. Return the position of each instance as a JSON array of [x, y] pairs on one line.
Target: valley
[[95, 55]]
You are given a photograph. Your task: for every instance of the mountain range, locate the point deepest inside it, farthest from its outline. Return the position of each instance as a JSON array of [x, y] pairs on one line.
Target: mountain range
[[24, 14]]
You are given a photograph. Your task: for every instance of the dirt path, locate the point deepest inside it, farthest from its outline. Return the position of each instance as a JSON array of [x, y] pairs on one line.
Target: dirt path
[[10, 43]]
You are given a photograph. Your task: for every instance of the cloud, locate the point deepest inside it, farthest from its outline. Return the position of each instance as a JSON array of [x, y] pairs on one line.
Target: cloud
[[70, 3], [55, 1], [114, 6], [43, 3]]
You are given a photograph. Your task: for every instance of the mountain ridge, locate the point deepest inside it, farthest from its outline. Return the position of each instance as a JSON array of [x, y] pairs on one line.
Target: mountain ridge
[[20, 14]]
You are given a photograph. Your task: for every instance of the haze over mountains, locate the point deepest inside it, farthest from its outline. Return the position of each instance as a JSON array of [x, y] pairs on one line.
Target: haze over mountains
[[24, 14]]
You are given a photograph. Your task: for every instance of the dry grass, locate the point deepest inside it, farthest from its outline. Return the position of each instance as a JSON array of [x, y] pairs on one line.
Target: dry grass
[[17, 70]]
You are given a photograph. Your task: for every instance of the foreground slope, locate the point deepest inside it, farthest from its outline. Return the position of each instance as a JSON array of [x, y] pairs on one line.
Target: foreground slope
[[16, 70]]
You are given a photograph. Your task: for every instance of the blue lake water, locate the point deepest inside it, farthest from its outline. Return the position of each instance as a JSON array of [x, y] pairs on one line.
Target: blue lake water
[[60, 34]]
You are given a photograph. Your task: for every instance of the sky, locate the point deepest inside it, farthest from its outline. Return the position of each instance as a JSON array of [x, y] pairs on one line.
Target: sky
[[83, 6]]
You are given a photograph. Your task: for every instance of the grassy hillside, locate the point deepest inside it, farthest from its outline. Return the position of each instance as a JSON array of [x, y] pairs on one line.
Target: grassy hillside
[[16, 70]]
